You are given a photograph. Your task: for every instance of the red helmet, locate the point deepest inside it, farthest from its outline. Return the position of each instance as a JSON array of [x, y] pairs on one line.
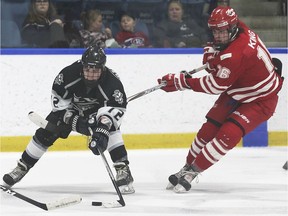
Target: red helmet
[[223, 17]]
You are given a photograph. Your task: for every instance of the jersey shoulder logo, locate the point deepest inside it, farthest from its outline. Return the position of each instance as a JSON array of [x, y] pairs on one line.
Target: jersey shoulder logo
[[223, 73], [59, 79], [118, 96]]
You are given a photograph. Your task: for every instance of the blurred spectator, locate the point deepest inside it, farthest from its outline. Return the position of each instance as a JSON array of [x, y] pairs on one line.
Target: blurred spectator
[[179, 33], [127, 37], [94, 32], [150, 12], [215, 3], [42, 26]]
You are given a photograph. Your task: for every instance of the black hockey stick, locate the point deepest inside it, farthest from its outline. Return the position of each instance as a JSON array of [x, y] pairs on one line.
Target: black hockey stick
[[45, 206], [43, 123], [147, 91], [120, 202]]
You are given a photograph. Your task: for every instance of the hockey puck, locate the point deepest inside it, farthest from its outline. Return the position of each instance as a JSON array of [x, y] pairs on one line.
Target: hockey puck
[[96, 203], [285, 166]]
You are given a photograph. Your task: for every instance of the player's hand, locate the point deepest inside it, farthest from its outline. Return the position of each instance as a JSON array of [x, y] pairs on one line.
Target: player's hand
[[99, 140], [208, 56], [174, 82], [76, 122]]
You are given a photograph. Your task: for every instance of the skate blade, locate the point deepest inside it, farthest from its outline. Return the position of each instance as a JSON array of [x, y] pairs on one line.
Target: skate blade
[[6, 185], [127, 189], [170, 186], [179, 189]]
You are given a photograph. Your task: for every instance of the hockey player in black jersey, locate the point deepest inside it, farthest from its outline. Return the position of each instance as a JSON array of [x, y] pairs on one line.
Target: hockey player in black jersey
[[87, 97]]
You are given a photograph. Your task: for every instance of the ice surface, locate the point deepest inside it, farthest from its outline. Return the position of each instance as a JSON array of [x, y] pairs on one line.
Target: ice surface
[[247, 181]]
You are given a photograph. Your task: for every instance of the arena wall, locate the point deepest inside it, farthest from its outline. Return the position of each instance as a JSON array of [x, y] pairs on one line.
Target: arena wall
[[157, 120]]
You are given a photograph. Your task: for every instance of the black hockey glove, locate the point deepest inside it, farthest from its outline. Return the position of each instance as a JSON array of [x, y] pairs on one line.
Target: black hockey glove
[[100, 134], [99, 140], [77, 123]]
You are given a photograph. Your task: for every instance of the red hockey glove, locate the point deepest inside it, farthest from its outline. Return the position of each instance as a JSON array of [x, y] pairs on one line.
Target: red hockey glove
[[174, 82], [208, 57]]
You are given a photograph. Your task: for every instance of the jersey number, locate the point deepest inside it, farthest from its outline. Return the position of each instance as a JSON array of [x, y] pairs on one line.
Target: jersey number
[[261, 54], [118, 115], [55, 101]]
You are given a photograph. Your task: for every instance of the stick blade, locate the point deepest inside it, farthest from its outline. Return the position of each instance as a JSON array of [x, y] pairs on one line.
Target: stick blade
[[65, 202], [116, 204], [37, 119]]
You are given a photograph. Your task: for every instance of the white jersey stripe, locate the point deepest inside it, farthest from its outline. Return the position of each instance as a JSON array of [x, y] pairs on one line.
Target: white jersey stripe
[[251, 87], [254, 98], [265, 88], [202, 83]]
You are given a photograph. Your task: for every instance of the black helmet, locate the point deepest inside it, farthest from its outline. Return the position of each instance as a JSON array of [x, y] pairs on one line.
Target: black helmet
[[94, 56]]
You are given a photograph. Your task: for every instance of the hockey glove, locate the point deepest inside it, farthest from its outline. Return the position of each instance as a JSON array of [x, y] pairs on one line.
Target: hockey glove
[[100, 134], [99, 140], [174, 82], [208, 57], [76, 122]]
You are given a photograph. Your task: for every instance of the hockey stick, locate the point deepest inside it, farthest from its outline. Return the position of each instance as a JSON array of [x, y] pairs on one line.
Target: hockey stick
[[39, 121], [120, 202], [45, 206], [147, 91], [43, 123]]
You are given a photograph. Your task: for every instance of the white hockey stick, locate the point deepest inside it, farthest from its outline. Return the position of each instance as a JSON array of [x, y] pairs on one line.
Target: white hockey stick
[[147, 91], [45, 206]]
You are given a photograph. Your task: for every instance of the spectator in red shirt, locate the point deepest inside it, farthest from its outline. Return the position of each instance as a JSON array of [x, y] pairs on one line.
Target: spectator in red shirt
[[128, 37]]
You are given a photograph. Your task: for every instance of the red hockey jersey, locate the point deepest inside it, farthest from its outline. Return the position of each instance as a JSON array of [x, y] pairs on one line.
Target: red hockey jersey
[[244, 70]]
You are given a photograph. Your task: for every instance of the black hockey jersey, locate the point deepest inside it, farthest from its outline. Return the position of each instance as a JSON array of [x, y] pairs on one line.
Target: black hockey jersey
[[107, 98]]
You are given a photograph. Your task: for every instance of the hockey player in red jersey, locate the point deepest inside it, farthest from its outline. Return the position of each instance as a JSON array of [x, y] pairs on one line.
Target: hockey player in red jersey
[[241, 70]]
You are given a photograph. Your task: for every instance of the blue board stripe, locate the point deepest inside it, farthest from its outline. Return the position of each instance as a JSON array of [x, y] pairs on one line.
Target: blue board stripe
[[117, 51]]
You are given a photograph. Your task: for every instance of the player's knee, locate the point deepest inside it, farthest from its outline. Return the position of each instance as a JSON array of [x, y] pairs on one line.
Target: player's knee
[[208, 131], [230, 134], [44, 137]]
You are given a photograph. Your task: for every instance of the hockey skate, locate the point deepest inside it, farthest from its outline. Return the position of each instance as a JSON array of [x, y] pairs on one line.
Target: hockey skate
[[124, 179], [184, 182], [174, 178], [16, 174], [181, 181]]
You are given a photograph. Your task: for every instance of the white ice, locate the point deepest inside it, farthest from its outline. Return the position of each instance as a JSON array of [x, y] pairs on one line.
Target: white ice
[[247, 181]]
